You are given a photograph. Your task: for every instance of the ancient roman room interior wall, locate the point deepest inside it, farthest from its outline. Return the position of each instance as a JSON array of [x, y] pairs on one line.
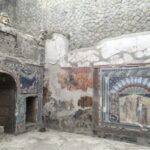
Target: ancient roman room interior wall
[[67, 90], [69, 77], [82, 35], [21, 59]]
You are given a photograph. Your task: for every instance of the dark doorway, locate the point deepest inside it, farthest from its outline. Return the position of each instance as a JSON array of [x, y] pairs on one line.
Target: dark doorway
[[30, 109], [7, 102]]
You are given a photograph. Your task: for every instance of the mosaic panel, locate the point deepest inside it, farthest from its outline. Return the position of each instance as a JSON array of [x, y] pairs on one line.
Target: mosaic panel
[[28, 75], [28, 80], [126, 96]]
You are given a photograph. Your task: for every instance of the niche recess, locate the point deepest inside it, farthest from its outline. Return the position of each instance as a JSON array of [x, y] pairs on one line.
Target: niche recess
[[31, 109]]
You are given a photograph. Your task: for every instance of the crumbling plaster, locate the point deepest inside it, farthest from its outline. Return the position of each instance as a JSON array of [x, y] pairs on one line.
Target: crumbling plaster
[[62, 110], [126, 49], [57, 47], [123, 50], [18, 46], [20, 56], [63, 94]]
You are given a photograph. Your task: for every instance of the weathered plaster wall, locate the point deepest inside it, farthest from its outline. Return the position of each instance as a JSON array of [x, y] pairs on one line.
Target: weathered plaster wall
[[69, 77], [20, 56], [67, 91], [127, 49], [57, 47], [19, 45], [86, 22], [68, 98]]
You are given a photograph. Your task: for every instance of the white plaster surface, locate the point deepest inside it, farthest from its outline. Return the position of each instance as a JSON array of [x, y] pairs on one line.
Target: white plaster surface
[[54, 140], [131, 43], [56, 48], [83, 57], [131, 48]]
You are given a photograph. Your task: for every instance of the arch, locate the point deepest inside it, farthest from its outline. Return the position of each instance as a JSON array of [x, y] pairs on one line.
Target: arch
[[8, 90], [131, 82], [15, 77]]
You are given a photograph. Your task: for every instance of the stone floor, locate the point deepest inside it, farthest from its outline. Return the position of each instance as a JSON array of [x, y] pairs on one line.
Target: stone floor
[[54, 140]]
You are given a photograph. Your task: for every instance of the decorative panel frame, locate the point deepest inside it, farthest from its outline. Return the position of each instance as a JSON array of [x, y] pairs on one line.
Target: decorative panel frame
[[125, 97]]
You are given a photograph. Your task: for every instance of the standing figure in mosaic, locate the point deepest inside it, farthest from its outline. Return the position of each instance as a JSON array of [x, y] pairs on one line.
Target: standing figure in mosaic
[[127, 107], [114, 116], [141, 111]]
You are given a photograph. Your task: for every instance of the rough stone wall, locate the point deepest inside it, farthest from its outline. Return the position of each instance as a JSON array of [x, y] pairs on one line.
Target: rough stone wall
[[19, 45], [86, 22], [69, 76], [20, 56]]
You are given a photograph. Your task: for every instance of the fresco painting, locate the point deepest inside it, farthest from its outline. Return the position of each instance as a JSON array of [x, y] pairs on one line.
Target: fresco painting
[[76, 78], [28, 80]]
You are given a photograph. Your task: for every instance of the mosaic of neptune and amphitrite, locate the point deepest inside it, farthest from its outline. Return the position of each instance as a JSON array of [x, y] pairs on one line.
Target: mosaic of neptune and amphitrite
[[126, 96]]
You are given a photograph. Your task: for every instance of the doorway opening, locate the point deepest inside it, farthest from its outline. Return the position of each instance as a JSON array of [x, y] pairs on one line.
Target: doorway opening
[[7, 102], [30, 109]]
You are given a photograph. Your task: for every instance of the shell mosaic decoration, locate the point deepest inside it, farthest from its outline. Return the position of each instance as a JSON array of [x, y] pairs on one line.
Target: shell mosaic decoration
[[4, 19]]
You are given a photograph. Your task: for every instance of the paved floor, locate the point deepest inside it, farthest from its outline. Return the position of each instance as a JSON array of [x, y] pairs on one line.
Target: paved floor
[[54, 140]]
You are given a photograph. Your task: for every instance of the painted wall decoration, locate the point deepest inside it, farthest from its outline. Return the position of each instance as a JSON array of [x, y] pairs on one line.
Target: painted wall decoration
[[76, 78], [28, 75], [85, 101], [20, 59], [28, 80], [20, 113], [126, 96]]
